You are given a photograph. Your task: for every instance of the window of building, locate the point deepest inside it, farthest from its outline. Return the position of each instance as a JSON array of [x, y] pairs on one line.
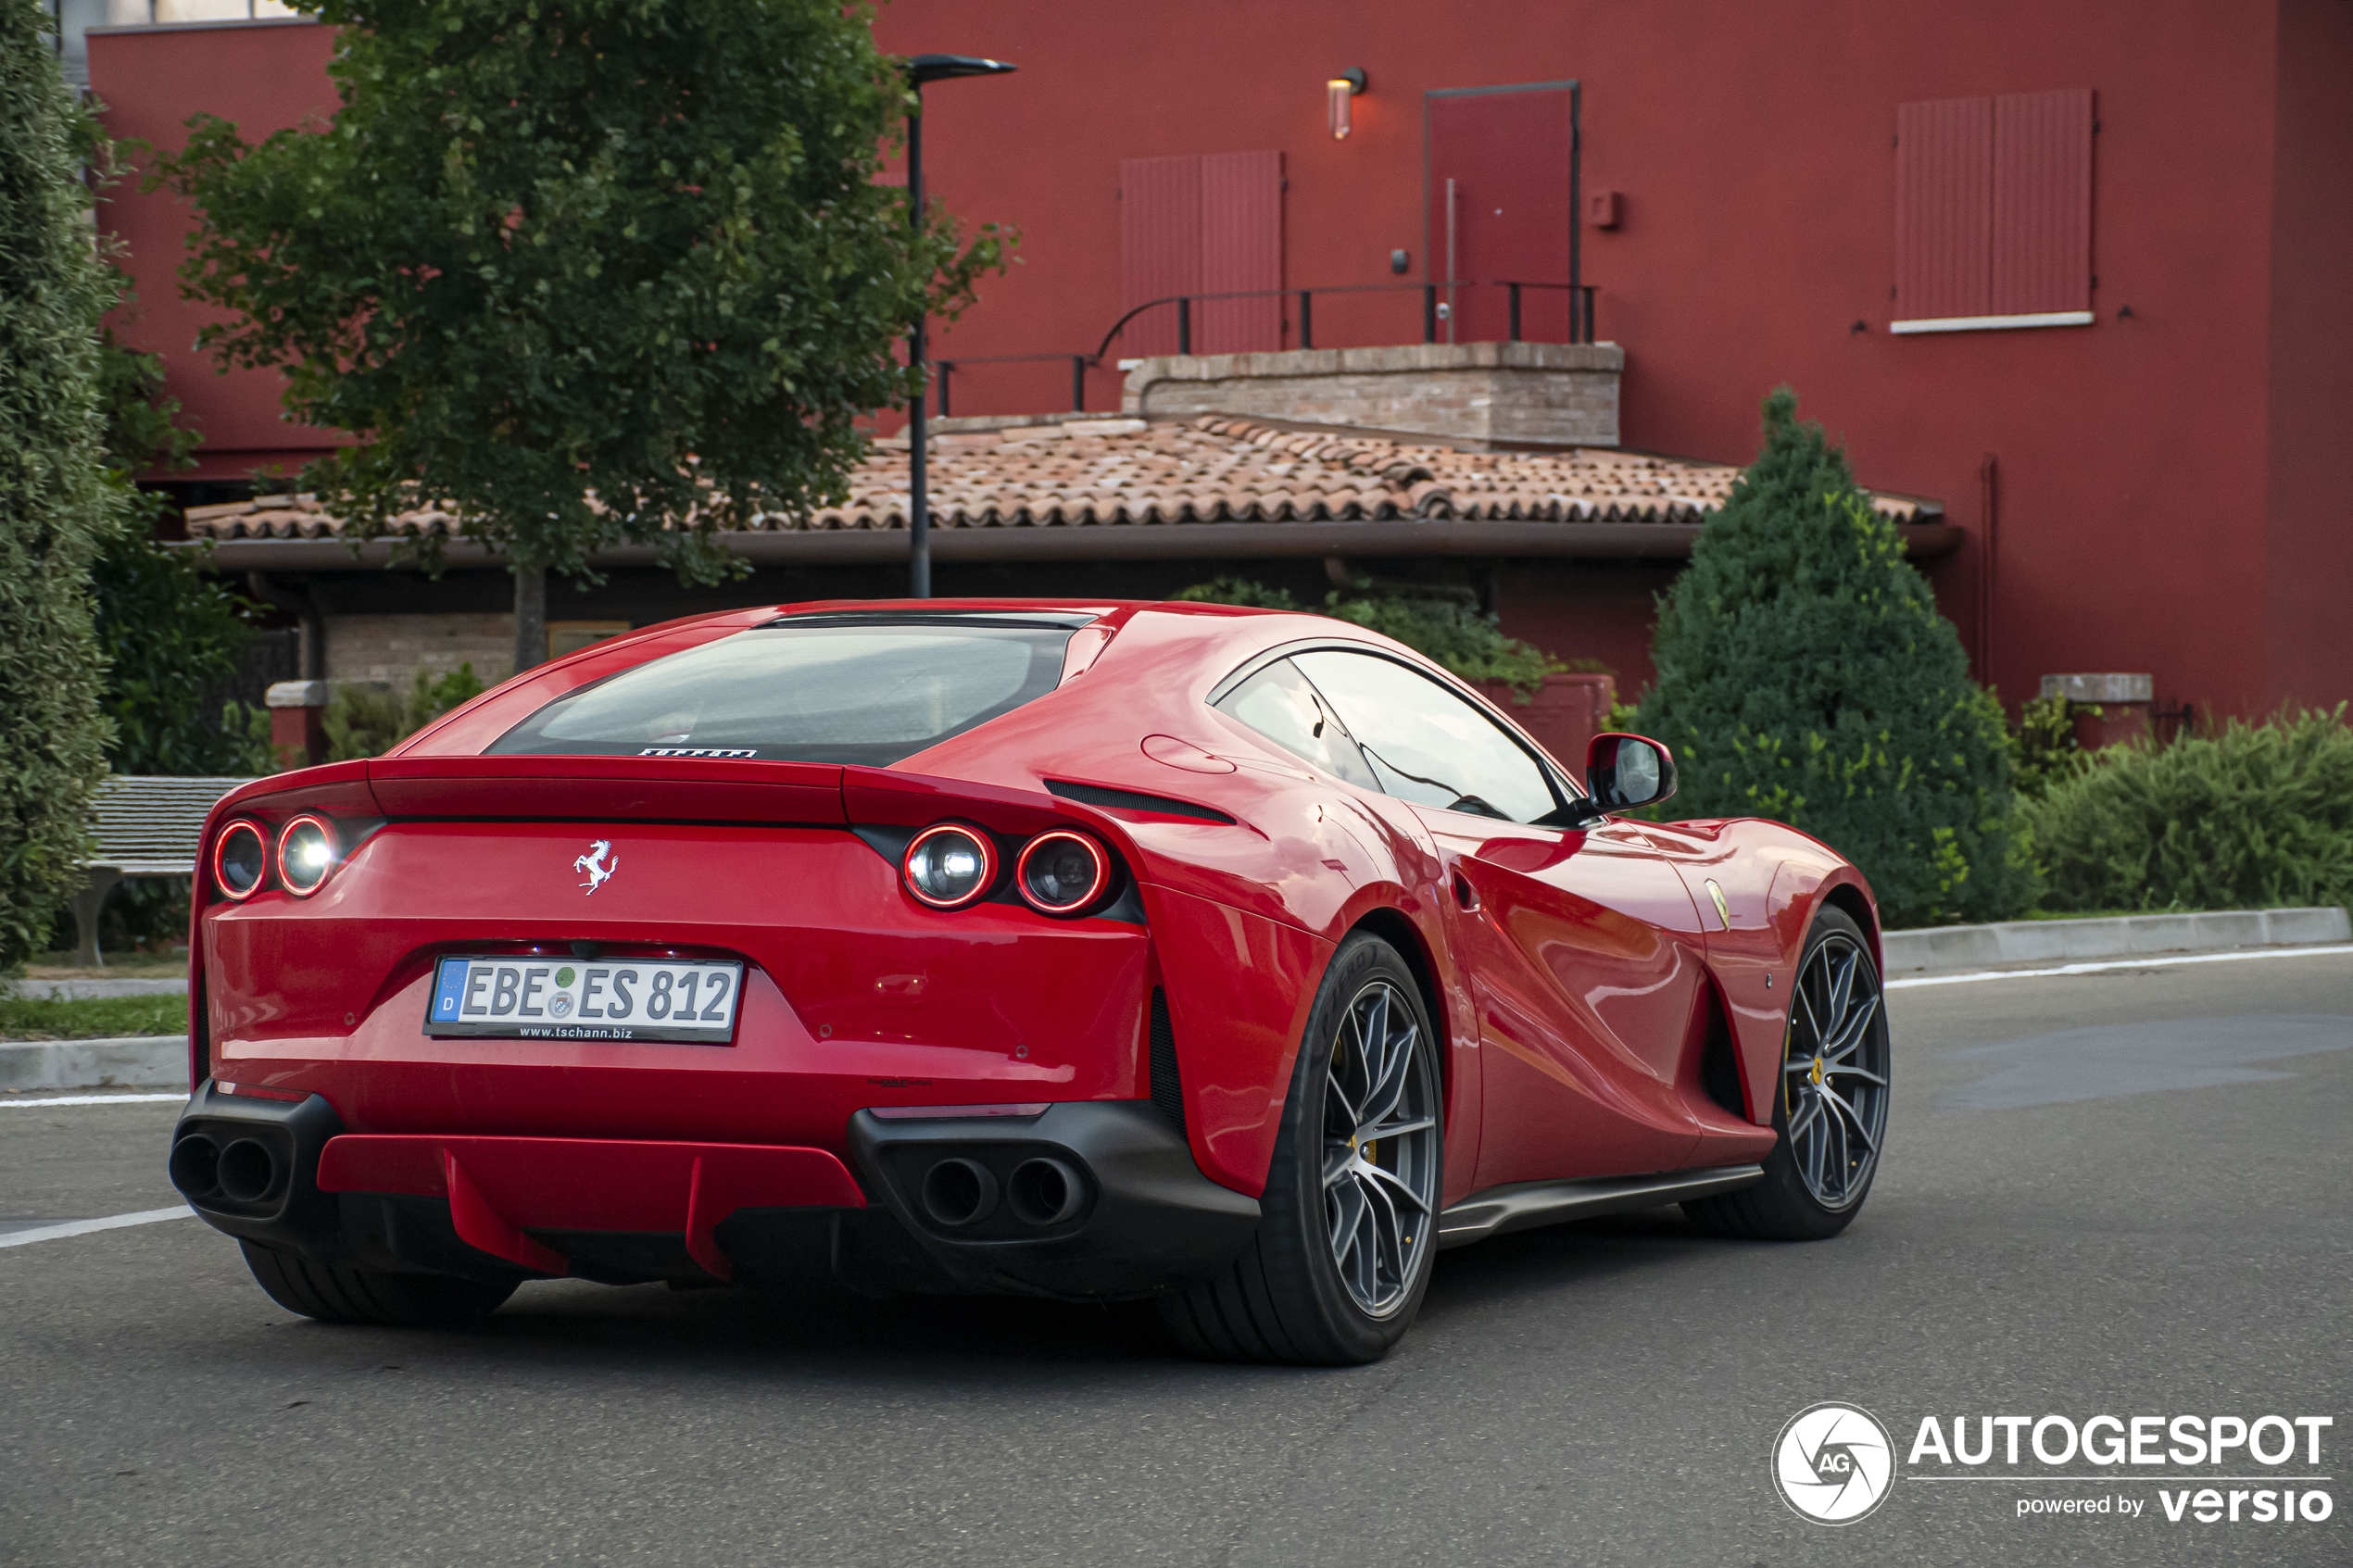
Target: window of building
[[1201, 225], [1994, 212], [77, 18]]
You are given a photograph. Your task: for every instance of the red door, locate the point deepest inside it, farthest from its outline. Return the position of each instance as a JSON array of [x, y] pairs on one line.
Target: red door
[[1586, 1001], [1500, 162]]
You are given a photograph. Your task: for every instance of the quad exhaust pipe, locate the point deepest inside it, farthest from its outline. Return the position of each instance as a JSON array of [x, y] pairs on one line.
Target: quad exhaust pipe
[[245, 1171], [1045, 1192], [959, 1192], [1041, 1192]]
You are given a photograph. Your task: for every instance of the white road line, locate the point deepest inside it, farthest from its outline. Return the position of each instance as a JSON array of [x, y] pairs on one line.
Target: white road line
[[2113, 964], [91, 1100], [83, 1227]]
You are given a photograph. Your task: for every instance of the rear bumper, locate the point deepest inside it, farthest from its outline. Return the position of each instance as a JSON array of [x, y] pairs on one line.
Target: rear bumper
[[1092, 1199], [1089, 1200]]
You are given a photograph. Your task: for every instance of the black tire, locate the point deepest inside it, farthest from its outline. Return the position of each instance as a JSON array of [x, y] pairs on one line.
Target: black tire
[[332, 1294], [1285, 1299], [1784, 1206]]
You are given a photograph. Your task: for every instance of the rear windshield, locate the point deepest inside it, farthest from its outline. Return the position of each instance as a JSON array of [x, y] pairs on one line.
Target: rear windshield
[[870, 693]]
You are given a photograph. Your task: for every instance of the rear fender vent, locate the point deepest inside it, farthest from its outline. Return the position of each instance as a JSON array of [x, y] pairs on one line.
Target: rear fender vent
[[1136, 800], [1168, 1090]]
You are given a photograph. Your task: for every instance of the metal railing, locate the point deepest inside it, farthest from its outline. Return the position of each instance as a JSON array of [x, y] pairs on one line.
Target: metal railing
[[1443, 316], [1078, 364]]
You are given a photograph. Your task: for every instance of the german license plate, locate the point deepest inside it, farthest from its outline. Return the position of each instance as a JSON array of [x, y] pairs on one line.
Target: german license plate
[[538, 999]]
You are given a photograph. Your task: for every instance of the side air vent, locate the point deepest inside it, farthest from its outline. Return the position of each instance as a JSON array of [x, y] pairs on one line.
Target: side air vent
[[1720, 1072], [1168, 1091], [1134, 800]]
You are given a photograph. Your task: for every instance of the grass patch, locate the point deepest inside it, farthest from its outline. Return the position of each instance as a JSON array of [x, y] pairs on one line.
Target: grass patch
[[90, 1018]]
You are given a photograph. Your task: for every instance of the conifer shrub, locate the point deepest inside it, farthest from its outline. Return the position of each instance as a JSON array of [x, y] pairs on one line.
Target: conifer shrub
[[2256, 816], [56, 505], [1804, 675]]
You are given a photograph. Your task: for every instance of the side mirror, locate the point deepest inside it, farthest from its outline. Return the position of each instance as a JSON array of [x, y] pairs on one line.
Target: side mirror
[[1625, 772]]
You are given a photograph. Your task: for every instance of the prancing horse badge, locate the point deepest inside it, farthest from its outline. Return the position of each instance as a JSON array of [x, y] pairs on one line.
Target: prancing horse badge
[[595, 864]]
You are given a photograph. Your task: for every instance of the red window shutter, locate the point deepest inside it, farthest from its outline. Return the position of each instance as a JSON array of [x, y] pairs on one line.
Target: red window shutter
[[2042, 203], [1159, 247], [1242, 250], [1943, 208]]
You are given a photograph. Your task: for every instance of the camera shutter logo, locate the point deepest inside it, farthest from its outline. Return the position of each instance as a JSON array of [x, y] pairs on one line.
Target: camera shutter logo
[[1833, 1463]]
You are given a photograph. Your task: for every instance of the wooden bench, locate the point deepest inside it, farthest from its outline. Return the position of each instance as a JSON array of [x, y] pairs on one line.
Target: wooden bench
[[139, 827]]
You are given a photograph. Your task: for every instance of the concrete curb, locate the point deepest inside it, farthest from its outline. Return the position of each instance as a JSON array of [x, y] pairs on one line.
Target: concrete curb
[[127, 1062], [1948, 950]]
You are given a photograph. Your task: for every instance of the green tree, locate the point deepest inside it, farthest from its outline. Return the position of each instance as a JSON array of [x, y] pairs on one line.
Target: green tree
[[583, 272], [1805, 674], [56, 506], [172, 630]]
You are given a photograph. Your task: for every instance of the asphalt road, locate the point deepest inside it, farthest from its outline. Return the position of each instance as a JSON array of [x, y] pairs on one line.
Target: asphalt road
[[2124, 1193]]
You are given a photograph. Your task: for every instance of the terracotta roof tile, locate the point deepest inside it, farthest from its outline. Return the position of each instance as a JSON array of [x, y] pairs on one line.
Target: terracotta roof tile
[[1211, 470]]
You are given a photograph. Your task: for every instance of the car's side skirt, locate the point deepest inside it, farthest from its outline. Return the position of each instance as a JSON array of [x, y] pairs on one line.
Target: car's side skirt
[[1523, 1205]]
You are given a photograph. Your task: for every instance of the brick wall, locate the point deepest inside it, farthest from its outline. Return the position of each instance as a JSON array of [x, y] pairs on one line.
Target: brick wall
[[391, 648], [1549, 393]]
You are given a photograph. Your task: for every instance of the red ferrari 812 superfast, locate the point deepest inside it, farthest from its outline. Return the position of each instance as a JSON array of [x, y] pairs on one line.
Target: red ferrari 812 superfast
[[1239, 960]]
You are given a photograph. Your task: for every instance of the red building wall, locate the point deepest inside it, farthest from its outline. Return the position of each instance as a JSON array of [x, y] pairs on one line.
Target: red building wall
[[264, 77], [2167, 500], [2308, 607], [2158, 511]]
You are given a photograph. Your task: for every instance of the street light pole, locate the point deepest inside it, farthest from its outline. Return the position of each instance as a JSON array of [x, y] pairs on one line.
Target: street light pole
[[922, 69]]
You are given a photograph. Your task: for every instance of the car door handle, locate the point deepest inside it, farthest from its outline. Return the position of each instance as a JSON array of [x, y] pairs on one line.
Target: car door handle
[[1466, 894]]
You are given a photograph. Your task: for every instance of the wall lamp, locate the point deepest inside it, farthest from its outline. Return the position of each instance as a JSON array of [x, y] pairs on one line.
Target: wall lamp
[[1336, 91]]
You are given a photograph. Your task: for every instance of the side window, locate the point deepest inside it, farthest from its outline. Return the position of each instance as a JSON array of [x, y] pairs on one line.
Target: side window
[[1427, 745], [1279, 704]]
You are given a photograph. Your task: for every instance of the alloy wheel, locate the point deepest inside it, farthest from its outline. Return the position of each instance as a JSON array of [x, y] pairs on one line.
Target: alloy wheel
[[1834, 1072], [1380, 1148]]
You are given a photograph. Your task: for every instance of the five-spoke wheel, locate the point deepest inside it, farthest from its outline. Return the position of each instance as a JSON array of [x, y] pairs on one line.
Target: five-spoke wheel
[[1831, 1111], [1347, 1224], [1380, 1148], [1834, 1071]]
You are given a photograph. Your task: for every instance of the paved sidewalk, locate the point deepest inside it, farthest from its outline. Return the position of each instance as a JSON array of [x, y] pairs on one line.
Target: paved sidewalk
[[1945, 949]]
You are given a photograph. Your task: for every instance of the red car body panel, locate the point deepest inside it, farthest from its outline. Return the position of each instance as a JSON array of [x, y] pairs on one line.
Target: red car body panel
[[1574, 975]]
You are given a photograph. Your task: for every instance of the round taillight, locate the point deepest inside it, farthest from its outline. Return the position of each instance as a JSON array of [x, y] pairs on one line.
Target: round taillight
[[948, 867], [1061, 872], [240, 859], [306, 854]]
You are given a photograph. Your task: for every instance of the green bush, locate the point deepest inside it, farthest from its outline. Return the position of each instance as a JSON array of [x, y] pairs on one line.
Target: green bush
[[2043, 750], [173, 634], [1440, 626], [2257, 816], [370, 721], [57, 504], [1804, 674]]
